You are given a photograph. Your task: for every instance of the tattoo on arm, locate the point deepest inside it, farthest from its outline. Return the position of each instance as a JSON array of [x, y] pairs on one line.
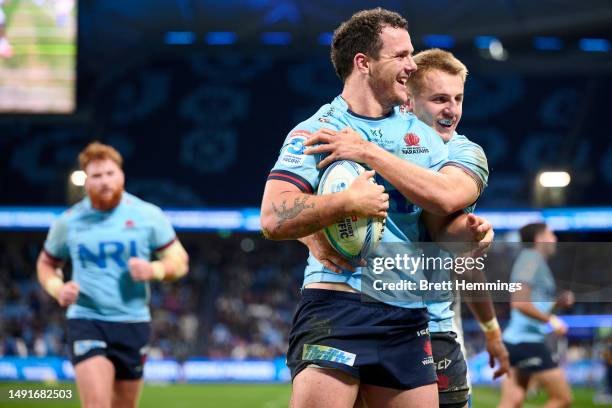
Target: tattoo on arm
[[285, 214]]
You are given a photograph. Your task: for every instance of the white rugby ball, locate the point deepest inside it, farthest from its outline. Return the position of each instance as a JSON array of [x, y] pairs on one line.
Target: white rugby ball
[[353, 237]]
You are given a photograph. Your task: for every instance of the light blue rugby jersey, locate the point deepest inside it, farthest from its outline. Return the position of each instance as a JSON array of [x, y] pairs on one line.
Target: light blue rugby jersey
[[531, 268], [400, 133], [470, 157], [99, 243]]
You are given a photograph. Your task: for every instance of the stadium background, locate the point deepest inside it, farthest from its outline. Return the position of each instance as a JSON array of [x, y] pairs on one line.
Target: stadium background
[[198, 96]]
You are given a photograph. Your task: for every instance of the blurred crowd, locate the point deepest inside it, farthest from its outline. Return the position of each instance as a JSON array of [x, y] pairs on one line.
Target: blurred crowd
[[232, 304], [236, 302]]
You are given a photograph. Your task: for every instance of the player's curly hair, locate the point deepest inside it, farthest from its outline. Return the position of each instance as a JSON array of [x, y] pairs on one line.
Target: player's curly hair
[[98, 151], [431, 59], [361, 33]]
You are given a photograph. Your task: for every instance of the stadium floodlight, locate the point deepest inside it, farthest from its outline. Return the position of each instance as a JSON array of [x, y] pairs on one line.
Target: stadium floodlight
[[78, 178], [554, 179], [497, 50]]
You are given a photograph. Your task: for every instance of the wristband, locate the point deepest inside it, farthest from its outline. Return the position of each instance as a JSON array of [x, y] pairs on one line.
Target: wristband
[[53, 286], [555, 322], [159, 270], [491, 325]]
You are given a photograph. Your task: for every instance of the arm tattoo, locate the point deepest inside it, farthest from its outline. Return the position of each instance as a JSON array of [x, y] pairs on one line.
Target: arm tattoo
[[285, 214]]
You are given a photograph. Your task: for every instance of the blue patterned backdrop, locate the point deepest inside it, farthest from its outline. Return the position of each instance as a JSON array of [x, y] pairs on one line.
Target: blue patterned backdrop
[[202, 125]]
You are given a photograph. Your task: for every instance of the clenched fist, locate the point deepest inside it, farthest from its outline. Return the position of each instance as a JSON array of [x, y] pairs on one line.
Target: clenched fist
[[140, 270], [68, 293]]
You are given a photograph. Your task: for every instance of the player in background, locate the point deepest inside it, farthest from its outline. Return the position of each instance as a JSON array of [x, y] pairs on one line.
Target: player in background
[[436, 94], [110, 237], [339, 345], [6, 50], [532, 308]]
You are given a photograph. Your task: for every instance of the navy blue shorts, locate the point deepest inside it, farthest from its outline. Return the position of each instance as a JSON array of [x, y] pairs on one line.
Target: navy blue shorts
[[124, 344], [530, 357], [451, 369], [378, 344]]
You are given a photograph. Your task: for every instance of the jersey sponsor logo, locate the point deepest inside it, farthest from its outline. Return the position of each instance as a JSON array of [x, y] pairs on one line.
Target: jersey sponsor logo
[[293, 155], [81, 347], [317, 352], [116, 251], [412, 141], [423, 332], [376, 132], [443, 364]]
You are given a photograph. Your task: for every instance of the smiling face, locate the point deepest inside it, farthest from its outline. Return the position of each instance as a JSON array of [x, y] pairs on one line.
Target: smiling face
[[389, 72], [104, 184], [438, 101]]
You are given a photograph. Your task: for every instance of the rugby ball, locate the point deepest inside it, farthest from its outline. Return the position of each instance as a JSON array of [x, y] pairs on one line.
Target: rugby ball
[[353, 237]]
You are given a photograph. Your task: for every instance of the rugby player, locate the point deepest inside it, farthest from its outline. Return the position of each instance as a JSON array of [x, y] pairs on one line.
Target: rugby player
[[532, 307], [339, 345], [435, 95], [110, 238]]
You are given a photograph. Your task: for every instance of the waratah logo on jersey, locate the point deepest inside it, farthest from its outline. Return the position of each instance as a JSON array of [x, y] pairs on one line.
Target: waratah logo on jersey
[[411, 139], [412, 145], [427, 348], [428, 351]]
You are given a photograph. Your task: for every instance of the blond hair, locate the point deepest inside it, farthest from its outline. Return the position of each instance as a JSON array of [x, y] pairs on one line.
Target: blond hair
[[433, 59], [98, 151]]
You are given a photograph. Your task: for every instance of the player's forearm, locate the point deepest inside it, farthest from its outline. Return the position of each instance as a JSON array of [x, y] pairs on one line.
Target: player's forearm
[[49, 274], [479, 302], [433, 191], [293, 215], [453, 229], [173, 263]]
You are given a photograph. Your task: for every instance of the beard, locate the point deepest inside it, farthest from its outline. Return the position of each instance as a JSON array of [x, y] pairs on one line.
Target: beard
[[384, 91], [105, 202]]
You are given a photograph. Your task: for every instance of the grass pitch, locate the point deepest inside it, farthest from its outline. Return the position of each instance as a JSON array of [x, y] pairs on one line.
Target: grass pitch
[[242, 395]]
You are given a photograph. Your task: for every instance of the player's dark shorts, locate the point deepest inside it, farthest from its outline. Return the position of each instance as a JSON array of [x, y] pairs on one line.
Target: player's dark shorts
[[378, 344], [124, 344], [451, 369], [530, 357]]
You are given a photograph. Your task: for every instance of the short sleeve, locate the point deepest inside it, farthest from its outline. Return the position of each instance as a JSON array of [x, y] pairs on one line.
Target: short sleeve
[[56, 244], [525, 268], [163, 232], [470, 157], [295, 167]]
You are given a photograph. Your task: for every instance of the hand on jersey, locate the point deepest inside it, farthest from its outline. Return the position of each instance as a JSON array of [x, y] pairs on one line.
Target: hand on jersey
[[346, 144], [320, 248], [366, 199], [68, 293], [483, 233], [140, 269]]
